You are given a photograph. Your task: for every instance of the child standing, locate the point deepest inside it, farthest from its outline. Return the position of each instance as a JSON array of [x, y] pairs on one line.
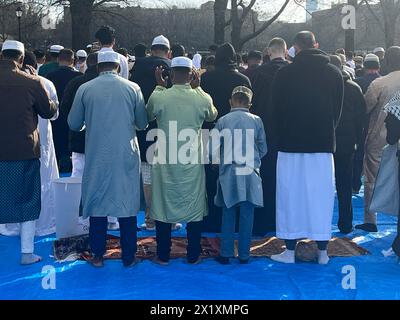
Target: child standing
[[238, 144]]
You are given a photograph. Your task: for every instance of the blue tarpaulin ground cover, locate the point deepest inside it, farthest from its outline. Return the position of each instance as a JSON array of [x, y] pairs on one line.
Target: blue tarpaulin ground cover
[[376, 277]]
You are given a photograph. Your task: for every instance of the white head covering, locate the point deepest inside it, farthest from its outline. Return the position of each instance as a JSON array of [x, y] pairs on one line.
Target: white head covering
[[379, 49], [197, 61], [292, 52], [108, 56], [161, 41], [81, 54], [13, 45], [182, 62], [56, 48]]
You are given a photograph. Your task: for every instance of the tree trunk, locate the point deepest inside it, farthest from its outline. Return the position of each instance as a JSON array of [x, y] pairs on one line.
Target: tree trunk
[[81, 18], [220, 8], [390, 33], [236, 25]]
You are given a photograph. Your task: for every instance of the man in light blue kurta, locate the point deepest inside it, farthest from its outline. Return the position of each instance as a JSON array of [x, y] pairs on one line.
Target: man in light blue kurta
[[111, 108]]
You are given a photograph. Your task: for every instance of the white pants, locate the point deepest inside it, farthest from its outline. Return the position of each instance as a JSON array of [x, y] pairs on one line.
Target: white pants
[[78, 164], [305, 194], [28, 236]]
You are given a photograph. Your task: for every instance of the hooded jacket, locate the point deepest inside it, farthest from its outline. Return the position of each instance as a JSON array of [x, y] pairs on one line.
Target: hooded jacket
[[307, 98], [219, 83], [262, 85]]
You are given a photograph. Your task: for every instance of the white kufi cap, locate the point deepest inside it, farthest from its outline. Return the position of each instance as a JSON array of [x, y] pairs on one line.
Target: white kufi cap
[[13, 45], [109, 56], [81, 54], [182, 62], [161, 41]]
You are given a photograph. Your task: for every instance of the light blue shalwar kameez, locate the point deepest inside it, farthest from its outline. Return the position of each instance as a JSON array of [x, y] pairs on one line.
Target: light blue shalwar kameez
[[239, 183], [111, 108]]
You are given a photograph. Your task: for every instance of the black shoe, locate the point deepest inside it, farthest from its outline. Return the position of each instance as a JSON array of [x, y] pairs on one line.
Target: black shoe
[[97, 262], [346, 231], [241, 261], [194, 262], [131, 264], [356, 192], [369, 227], [222, 260]]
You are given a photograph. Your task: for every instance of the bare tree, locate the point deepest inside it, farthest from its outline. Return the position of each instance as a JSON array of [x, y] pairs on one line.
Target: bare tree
[[82, 15], [240, 12], [220, 23]]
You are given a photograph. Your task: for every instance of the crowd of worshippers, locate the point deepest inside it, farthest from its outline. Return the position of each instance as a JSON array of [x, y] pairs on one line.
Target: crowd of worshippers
[[317, 120]]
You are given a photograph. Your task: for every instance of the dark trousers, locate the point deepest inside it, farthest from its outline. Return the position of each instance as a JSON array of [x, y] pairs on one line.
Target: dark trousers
[[163, 235], [265, 218], [213, 222], [344, 184], [98, 237]]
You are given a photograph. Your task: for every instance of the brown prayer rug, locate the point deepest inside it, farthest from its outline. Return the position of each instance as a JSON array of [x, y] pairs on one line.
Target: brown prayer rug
[[78, 248]]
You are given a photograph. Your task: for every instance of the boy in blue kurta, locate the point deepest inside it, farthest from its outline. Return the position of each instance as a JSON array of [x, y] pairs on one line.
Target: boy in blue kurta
[[238, 144]]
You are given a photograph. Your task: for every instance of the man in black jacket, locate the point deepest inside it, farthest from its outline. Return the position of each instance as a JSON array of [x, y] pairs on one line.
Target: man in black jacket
[[143, 73], [61, 77], [264, 219], [77, 139], [219, 84], [307, 99], [349, 135]]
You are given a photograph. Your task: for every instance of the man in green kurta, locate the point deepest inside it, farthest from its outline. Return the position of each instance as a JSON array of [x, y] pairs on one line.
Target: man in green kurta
[[179, 192]]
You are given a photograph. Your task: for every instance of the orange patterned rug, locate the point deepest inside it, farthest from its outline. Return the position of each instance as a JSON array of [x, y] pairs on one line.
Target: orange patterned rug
[[78, 248]]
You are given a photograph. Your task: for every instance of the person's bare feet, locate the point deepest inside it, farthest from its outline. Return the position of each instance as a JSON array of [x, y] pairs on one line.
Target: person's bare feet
[[30, 258]]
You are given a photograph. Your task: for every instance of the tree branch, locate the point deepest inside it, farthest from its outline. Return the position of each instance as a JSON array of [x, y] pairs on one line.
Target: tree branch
[[266, 24]]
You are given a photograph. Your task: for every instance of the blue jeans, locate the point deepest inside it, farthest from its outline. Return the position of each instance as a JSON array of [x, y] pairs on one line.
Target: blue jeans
[[245, 230]]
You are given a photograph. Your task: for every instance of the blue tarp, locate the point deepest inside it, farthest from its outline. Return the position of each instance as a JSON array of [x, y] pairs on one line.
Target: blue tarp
[[377, 277]]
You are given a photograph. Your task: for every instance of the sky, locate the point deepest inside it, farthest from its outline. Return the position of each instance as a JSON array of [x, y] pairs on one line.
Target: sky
[[293, 13]]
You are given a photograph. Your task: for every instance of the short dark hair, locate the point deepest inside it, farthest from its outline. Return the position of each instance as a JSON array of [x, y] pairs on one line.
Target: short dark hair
[[340, 51], [30, 59], [39, 54], [210, 61], [181, 70], [66, 55], [105, 35], [54, 55], [178, 50], [140, 50], [92, 59], [349, 54], [12, 54], [305, 40], [336, 61], [255, 55], [123, 51], [242, 98], [159, 47], [213, 47], [108, 66]]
